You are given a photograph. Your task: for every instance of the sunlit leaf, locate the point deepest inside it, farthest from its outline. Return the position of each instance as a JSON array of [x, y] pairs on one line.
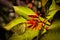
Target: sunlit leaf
[[53, 5], [24, 11], [52, 10], [19, 29], [51, 14], [21, 12], [28, 35], [14, 23], [27, 10]]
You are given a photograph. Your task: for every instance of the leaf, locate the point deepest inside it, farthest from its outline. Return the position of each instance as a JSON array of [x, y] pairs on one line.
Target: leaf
[[14, 23], [28, 10], [51, 14], [53, 5], [19, 29], [24, 11], [28, 35], [21, 12], [52, 10], [56, 21]]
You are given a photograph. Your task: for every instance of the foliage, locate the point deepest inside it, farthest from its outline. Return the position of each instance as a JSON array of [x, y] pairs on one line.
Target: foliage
[[24, 12], [14, 22]]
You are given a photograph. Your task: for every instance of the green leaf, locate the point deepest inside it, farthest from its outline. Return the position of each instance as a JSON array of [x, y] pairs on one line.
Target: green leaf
[[53, 5], [52, 10], [19, 29], [24, 11], [27, 10], [14, 23], [56, 21], [51, 14], [21, 12], [28, 35]]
